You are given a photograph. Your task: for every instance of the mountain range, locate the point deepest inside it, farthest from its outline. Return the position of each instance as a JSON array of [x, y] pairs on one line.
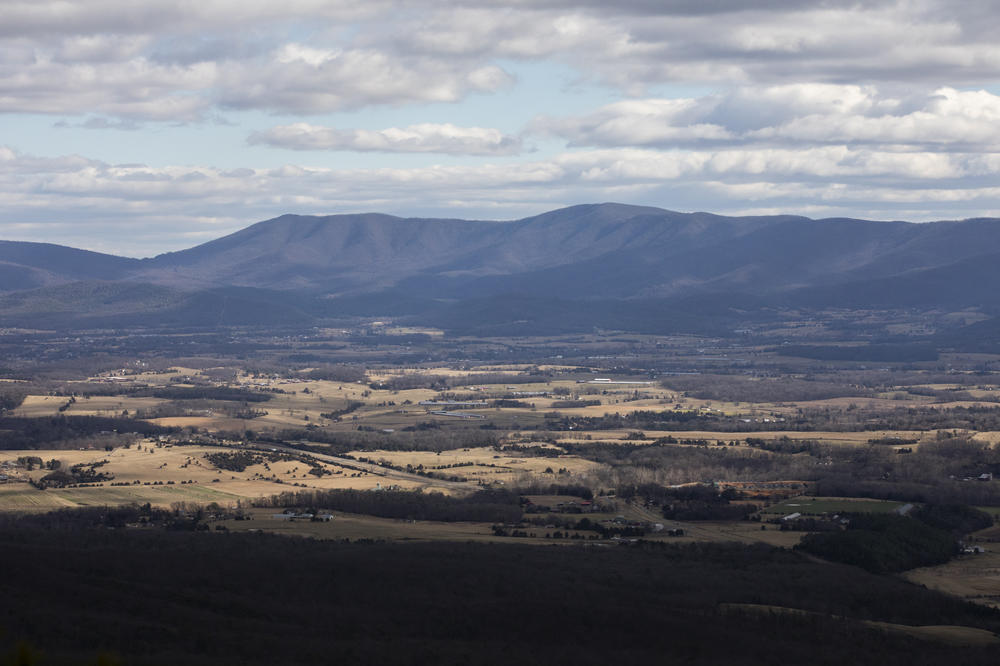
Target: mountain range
[[584, 265]]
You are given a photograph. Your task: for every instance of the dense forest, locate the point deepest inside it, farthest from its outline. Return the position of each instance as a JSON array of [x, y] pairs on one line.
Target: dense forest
[[164, 597], [891, 543]]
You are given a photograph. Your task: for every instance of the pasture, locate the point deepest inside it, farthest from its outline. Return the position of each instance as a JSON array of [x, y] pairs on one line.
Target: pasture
[[485, 464], [812, 506], [162, 475]]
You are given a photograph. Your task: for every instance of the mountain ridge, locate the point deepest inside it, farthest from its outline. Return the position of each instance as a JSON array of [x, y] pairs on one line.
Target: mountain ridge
[[585, 253]]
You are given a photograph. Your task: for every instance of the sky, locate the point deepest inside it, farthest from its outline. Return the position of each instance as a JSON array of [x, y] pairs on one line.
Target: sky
[[137, 128]]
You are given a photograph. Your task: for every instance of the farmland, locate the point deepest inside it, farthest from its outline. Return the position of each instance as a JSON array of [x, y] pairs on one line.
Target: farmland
[[741, 450], [455, 428], [704, 454]]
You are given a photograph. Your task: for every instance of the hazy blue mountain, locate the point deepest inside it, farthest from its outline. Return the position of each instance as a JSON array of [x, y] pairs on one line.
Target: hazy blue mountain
[[375, 251], [125, 303], [325, 253], [29, 265], [696, 266]]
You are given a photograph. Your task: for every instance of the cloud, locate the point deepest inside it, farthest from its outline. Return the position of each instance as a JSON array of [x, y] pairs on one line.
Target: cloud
[[300, 79], [72, 17], [793, 115], [422, 138], [131, 88], [179, 62], [99, 123], [877, 108], [291, 78], [641, 44], [182, 61]]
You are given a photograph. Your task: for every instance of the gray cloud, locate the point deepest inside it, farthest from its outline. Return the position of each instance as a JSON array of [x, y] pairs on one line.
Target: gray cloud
[[163, 60], [99, 123], [304, 79], [862, 108], [44, 18]]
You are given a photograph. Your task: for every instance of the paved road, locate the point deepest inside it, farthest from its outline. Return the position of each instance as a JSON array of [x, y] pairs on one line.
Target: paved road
[[375, 470]]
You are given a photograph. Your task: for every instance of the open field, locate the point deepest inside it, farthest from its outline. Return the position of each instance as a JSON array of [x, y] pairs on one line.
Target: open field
[[23, 497], [746, 532], [302, 402], [483, 464], [374, 433], [47, 405], [353, 526], [162, 475], [975, 578], [992, 437], [811, 506]]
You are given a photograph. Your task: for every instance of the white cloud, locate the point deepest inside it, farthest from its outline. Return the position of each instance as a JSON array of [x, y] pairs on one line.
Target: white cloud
[[421, 138], [794, 115]]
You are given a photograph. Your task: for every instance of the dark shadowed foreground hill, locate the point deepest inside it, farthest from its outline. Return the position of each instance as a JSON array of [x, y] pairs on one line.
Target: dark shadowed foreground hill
[[203, 598], [595, 262]]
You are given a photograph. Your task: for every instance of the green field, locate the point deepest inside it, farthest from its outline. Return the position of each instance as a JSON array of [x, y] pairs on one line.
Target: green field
[[818, 505]]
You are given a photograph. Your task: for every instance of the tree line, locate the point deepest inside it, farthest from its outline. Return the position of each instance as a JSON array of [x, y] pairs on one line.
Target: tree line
[[63, 431], [493, 506]]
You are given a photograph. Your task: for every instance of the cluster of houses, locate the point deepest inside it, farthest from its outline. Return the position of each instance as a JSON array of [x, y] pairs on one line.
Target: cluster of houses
[[9, 471]]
